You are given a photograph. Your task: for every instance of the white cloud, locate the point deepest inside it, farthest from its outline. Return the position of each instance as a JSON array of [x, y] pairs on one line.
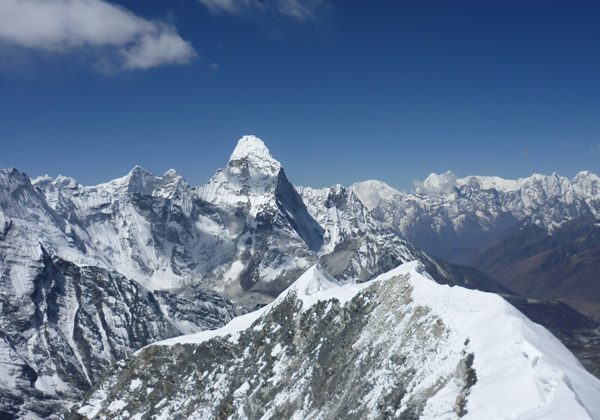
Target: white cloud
[[298, 9], [65, 25], [154, 49]]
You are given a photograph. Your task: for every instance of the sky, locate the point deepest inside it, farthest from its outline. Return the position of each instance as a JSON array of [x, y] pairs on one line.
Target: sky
[[340, 91]]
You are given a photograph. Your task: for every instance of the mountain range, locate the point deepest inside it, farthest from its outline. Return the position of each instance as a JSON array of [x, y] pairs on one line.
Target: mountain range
[[89, 275], [537, 236]]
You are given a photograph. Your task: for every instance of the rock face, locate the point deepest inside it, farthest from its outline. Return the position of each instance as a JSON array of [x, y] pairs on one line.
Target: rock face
[[60, 336], [66, 313], [534, 263], [451, 217], [398, 347], [562, 265]]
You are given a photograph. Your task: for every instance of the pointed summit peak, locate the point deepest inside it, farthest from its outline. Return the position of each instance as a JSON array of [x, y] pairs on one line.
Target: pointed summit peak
[[371, 192], [139, 181], [251, 147], [171, 173], [137, 171], [251, 171], [437, 184]]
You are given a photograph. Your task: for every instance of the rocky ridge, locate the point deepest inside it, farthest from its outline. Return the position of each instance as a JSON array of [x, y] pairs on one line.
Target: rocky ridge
[[398, 347]]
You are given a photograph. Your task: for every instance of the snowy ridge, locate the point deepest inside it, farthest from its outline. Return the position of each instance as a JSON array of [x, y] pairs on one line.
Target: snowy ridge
[[310, 287], [470, 355]]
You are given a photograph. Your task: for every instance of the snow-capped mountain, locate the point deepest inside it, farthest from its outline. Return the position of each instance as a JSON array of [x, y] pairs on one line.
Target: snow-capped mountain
[[272, 236], [356, 246], [398, 347], [449, 216], [83, 268]]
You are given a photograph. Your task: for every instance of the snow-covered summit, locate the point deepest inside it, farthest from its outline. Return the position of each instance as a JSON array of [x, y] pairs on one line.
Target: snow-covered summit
[[140, 181], [251, 147], [438, 184], [251, 172], [445, 184], [372, 192]]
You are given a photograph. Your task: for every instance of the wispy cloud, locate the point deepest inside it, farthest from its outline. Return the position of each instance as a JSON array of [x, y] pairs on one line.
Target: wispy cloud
[[297, 9], [575, 145], [230, 6], [66, 25]]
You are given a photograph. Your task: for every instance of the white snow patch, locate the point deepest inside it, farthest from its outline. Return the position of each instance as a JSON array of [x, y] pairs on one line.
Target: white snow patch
[[116, 405], [135, 384], [276, 350], [50, 384], [6, 380]]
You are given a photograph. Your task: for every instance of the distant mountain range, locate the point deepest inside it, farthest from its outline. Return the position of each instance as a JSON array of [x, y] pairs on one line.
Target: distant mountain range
[[452, 217], [537, 235], [91, 274]]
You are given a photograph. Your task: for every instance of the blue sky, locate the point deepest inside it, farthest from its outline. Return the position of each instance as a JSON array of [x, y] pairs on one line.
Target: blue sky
[[340, 91]]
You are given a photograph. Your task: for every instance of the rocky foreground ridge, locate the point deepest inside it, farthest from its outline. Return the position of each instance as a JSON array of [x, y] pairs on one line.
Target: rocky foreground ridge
[[398, 347]]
